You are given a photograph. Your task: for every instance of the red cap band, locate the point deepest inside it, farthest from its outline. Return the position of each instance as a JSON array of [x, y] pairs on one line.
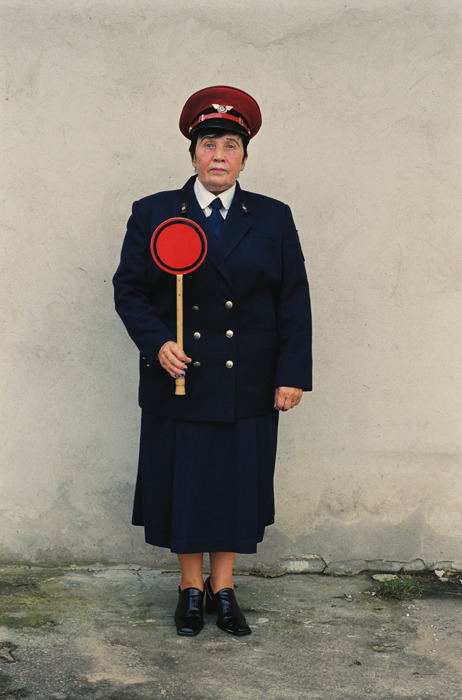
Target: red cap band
[[220, 115]]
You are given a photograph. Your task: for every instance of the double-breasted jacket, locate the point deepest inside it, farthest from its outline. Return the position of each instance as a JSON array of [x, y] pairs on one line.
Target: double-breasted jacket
[[247, 318]]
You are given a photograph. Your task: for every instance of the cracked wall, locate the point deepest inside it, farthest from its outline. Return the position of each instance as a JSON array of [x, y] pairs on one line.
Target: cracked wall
[[361, 106]]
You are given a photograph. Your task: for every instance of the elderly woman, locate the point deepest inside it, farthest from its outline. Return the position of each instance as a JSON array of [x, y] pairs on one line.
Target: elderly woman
[[206, 463]]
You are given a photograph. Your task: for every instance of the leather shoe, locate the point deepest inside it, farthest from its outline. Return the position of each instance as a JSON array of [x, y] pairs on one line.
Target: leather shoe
[[189, 613], [230, 617]]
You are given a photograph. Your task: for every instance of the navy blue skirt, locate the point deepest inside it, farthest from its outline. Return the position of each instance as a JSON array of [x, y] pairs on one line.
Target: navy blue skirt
[[206, 487]]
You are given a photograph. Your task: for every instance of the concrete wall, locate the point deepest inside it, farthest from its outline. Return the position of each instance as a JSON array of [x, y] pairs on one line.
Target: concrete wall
[[361, 103]]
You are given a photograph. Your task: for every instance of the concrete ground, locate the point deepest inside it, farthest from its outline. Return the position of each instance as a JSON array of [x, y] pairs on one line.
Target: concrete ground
[[108, 634]]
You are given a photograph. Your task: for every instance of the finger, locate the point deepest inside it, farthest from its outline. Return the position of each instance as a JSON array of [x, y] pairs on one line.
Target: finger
[[180, 354], [298, 396], [279, 400]]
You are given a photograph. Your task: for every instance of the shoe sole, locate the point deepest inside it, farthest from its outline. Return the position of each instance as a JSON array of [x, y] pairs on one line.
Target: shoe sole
[[235, 634], [188, 634]]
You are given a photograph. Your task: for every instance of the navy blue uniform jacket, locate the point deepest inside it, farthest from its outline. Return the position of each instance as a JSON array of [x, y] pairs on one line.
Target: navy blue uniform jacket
[[247, 319]]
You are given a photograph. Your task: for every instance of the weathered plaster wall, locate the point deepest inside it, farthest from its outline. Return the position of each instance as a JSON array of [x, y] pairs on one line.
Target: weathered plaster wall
[[361, 102]]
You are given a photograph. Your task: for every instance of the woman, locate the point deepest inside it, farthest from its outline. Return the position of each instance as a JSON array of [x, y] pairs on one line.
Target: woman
[[206, 464]]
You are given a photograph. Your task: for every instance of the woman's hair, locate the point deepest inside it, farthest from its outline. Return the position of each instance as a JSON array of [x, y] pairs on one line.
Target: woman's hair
[[215, 133]]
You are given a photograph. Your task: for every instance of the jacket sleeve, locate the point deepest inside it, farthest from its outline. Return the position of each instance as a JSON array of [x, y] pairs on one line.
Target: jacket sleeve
[[294, 365], [131, 290]]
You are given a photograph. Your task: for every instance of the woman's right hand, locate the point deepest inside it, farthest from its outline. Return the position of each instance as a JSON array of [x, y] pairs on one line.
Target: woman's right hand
[[173, 359]]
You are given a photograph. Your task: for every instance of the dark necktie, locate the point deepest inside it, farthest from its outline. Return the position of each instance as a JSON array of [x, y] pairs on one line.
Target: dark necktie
[[215, 218]]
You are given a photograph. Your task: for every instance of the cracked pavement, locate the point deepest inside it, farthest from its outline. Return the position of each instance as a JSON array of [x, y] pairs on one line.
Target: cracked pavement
[[107, 633]]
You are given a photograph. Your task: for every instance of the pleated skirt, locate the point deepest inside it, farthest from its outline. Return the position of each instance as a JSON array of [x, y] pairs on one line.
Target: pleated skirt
[[206, 487]]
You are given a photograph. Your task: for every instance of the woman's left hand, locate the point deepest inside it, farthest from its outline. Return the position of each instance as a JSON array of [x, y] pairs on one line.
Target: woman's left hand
[[287, 397]]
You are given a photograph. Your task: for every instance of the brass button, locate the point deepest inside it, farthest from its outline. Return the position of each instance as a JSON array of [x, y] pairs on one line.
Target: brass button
[[195, 308], [196, 364], [229, 334], [229, 364], [197, 335], [229, 304]]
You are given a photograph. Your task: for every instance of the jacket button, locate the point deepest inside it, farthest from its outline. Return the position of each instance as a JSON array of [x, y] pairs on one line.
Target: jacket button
[[229, 364], [196, 364], [229, 304], [195, 308], [229, 334], [197, 335]]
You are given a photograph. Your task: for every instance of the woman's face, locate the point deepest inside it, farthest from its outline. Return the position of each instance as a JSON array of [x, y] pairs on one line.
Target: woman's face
[[219, 160]]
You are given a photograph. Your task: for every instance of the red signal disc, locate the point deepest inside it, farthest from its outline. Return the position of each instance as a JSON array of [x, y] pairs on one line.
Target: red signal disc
[[178, 246]]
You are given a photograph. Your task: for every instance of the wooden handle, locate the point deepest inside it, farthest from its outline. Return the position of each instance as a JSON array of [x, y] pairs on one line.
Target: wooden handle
[[179, 382]]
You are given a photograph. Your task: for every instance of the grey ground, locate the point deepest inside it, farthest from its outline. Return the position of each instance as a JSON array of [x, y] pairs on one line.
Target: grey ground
[[108, 634]]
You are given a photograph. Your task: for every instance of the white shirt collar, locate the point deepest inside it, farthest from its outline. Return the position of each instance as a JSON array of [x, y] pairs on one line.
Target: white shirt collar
[[204, 197]]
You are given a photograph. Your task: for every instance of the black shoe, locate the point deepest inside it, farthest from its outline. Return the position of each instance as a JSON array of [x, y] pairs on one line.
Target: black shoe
[[189, 613], [229, 615]]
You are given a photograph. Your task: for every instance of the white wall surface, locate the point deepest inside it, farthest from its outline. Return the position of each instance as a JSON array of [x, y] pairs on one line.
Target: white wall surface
[[361, 103]]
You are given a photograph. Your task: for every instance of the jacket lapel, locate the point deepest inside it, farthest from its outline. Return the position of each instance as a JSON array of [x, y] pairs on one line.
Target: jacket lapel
[[237, 224]]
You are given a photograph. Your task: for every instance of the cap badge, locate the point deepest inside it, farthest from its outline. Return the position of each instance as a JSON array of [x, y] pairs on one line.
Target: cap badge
[[222, 108]]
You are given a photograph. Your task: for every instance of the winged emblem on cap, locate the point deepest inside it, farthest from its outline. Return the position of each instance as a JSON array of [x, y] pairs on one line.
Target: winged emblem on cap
[[223, 108]]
